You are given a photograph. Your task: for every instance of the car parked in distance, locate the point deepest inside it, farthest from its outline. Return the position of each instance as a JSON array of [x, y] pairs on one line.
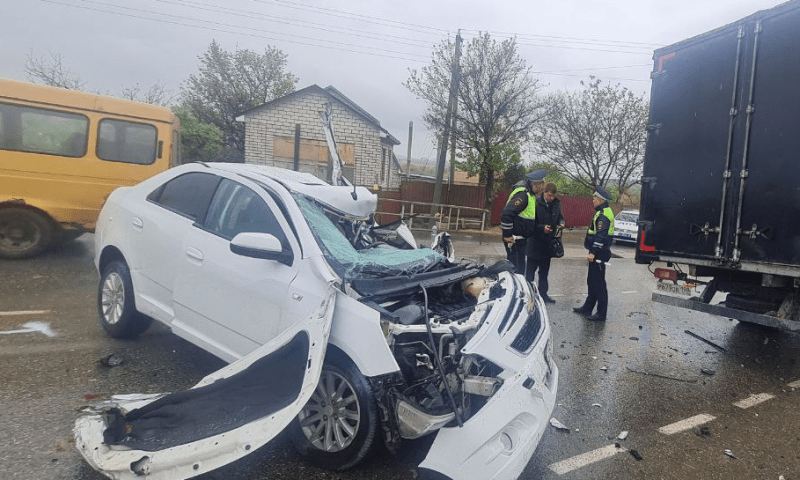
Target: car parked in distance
[[347, 347], [625, 228]]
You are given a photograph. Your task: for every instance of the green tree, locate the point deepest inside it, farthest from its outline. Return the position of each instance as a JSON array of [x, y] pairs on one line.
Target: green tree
[[199, 141], [230, 83], [498, 102], [595, 136]]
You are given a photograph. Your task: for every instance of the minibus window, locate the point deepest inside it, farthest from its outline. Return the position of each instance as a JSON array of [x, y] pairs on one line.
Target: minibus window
[[121, 141], [38, 130]]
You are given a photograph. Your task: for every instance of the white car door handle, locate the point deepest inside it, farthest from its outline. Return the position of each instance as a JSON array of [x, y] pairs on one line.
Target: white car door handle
[[137, 223], [194, 255]]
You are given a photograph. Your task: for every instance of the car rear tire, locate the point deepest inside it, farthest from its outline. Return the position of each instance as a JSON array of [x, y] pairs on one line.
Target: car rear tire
[[24, 232], [116, 309], [338, 427]]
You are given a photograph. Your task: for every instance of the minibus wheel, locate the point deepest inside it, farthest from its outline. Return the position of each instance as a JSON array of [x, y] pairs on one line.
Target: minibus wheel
[[23, 232]]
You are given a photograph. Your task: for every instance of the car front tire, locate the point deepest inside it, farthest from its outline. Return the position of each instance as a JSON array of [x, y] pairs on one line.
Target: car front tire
[[338, 427], [115, 304]]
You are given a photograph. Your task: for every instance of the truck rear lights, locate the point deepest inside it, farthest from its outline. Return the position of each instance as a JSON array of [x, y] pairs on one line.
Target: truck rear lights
[[666, 274]]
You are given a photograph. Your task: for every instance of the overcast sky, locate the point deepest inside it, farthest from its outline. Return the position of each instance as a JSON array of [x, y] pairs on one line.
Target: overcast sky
[[364, 48]]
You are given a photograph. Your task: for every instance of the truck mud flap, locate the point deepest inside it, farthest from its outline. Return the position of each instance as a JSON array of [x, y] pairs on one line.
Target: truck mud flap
[[742, 316]]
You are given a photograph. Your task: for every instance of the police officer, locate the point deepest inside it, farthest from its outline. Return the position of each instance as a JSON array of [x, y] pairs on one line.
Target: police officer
[[598, 242], [519, 217]]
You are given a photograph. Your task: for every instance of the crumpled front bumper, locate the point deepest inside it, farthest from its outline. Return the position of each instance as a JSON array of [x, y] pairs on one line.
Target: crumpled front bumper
[[498, 441]]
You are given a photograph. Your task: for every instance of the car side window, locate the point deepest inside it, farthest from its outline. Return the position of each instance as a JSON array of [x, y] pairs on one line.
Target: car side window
[[188, 195], [236, 209]]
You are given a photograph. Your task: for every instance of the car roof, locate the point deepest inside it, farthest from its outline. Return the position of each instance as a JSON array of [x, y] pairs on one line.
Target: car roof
[[351, 202]]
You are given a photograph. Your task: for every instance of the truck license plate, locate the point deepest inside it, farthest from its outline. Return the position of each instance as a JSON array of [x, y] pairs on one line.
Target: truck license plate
[[672, 288]]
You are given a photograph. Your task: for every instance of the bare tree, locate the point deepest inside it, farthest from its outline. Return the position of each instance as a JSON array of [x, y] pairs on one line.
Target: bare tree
[[498, 102], [595, 136], [156, 94], [51, 71]]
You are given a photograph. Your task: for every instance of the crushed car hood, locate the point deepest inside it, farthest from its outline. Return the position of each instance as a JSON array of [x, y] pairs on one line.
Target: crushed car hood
[[226, 416]]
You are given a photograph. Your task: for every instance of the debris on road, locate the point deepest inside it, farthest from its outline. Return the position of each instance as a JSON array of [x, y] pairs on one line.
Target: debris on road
[[636, 455], [687, 380], [111, 361], [604, 368], [722, 349], [707, 371], [623, 435], [558, 425], [730, 454], [596, 405]]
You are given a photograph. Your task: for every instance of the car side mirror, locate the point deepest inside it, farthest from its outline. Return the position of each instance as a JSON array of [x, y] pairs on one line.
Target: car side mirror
[[261, 245]]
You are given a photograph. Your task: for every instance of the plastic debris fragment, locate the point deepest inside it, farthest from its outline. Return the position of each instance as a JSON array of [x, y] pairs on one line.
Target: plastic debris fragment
[[729, 453], [111, 361], [558, 425], [707, 371], [623, 435], [596, 405], [604, 368]]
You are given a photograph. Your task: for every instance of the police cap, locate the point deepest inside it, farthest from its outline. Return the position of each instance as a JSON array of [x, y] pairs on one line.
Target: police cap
[[602, 193], [537, 176]]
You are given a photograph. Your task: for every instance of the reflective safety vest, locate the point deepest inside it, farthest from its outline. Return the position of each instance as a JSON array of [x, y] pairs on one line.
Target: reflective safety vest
[[530, 210], [608, 214]]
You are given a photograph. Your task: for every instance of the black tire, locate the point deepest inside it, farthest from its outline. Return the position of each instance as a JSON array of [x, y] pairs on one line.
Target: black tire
[[751, 304], [353, 415], [24, 232], [116, 309]]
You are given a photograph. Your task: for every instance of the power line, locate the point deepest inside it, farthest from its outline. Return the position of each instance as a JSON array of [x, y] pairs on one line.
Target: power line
[[286, 20], [362, 50]]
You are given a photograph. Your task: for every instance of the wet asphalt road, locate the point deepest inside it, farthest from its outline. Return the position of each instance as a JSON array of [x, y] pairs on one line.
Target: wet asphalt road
[[639, 372]]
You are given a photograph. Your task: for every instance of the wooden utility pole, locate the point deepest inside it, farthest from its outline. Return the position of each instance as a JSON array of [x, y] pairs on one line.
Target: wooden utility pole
[[297, 147], [408, 155], [455, 82]]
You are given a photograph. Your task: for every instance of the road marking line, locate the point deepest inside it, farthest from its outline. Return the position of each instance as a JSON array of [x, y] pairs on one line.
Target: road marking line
[[753, 400], [630, 291], [579, 461], [24, 312], [32, 327], [795, 384], [682, 425]]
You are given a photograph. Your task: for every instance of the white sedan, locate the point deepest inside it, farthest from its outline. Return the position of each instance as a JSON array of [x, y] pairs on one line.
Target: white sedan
[[347, 348]]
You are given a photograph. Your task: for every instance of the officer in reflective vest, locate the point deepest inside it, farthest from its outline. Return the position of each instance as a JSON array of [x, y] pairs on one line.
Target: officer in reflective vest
[[518, 219], [598, 242]]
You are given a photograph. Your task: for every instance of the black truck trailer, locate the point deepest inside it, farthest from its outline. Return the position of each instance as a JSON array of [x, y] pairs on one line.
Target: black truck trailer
[[720, 200]]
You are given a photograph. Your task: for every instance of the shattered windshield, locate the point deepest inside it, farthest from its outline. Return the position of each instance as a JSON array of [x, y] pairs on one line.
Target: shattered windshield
[[349, 262]]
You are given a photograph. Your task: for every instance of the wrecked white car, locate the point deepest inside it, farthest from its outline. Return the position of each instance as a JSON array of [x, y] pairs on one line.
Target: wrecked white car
[[346, 348]]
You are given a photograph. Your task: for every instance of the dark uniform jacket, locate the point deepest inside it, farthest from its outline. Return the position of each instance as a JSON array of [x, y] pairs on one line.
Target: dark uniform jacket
[[511, 222], [598, 241], [546, 214]]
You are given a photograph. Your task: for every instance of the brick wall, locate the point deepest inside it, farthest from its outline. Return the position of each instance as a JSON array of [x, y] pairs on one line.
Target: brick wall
[[264, 125]]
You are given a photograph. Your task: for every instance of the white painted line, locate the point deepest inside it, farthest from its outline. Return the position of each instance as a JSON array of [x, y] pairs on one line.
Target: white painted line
[[753, 400], [630, 291], [686, 424], [24, 312], [795, 384], [579, 461], [32, 327]]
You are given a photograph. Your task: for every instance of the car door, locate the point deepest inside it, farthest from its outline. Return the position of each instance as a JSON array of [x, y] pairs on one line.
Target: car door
[[157, 226], [228, 303]]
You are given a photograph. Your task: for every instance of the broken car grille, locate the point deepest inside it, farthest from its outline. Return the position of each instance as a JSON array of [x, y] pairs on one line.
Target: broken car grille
[[530, 330]]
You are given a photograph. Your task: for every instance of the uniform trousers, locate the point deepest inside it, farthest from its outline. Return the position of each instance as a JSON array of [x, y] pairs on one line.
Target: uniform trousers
[[598, 293]]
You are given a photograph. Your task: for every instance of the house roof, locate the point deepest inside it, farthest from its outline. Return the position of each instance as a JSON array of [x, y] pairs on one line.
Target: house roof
[[330, 92]]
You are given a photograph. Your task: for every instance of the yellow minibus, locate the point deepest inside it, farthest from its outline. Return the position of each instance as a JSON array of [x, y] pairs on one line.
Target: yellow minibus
[[62, 152]]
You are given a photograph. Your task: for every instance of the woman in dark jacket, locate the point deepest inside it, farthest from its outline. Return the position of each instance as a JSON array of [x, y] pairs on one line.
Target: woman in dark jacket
[[549, 220]]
